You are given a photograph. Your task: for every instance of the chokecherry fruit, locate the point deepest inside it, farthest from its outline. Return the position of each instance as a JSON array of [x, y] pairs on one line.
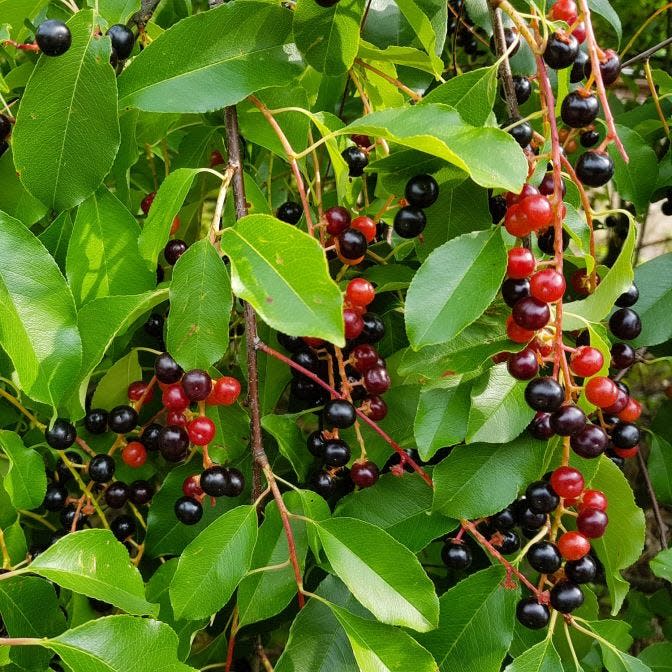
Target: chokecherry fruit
[[236, 483], [573, 545], [374, 328], [504, 520], [95, 421], [364, 357], [117, 494], [610, 67], [422, 191], [5, 127], [134, 454], [511, 41], [338, 220], [375, 407], [122, 39], [174, 398], [544, 557], [173, 443], [513, 290], [188, 510], [364, 474], [568, 482], [289, 212], [520, 263], [532, 614], [456, 554], [531, 313], [589, 139], [625, 324], [377, 380], [315, 444], [353, 324], [520, 130], [546, 240], [55, 497], [523, 365], [173, 250], [167, 370], [586, 361], [565, 10], [625, 435], [409, 222], [547, 285], [541, 498], [323, 483], [339, 413], [523, 89], [150, 437], [101, 468], [141, 492], [594, 168], [506, 542], [629, 297], [122, 419], [594, 499], [336, 453], [61, 435], [601, 391], [590, 442], [191, 486], [540, 427], [225, 391], [122, 527], [544, 394], [351, 244], [581, 571], [356, 159], [566, 597], [366, 226], [201, 430], [215, 481], [568, 420], [360, 292], [579, 109], [561, 50], [592, 523], [53, 37]]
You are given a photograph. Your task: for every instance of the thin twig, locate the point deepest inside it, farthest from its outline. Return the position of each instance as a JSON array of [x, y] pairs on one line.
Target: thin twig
[[504, 67], [662, 528]]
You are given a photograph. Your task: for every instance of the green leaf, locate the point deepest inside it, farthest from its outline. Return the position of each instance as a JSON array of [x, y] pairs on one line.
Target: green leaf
[[282, 272], [328, 37], [599, 304], [118, 11], [70, 106], [14, 199], [498, 410], [454, 286], [381, 647], [490, 156], [655, 299], [214, 563], [148, 646], [264, 594], [661, 565], [660, 468], [423, 29], [26, 481], [381, 573], [398, 54], [401, 507], [623, 541], [482, 478], [37, 315], [112, 388], [166, 204], [94, 563], [236, 49], [291, 441], [200, 308], [472, 94], [476, 624], [56, 238], [103, 258], [604, 8], [541, 657], [658, 656], [15, 12]]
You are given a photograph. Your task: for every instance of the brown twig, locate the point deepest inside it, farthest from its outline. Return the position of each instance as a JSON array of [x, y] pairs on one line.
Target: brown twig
[[662, 528], [504, 67]]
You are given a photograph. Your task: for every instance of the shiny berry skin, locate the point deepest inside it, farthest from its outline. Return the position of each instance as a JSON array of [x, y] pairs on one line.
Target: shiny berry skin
[[513, 290], [339, 413], [561, 50], [134, 454], [215, 481], [610, 68], [141, 492], [173, 443], [117, 494], [579, 109], [364, 357], [197, 384], [338, 220], [147, 201], [547, 285], [191, 486], [167, 370], [122, 527], [546, 240], [625, 435], [581, 571], [544, 557], [315, 443], [62, 471], [628, 298], [580, 33], [631, 412], [504, 520], [540, 427], [351, 244], [101, 468], [53, 37], [531, 314], [538, 211], [353, 324], [517, 334], [409, 222], [567, 482], [67, 518], [54, 497], [592, 523], [188, 510], [516, 222], [541, 498], [625, 324], [422, 191], [456, 554], [377, 380], [173, 250], [586, 361], [544, 394], [523, 365], [601, 391], [225, 391], [61, 435], [547, 186], [356, 159], [565, 10], [568, 420], [201, 430], [364, 474], [594, 168], [236, 483], [520, 264], [523, 88], [619, 405], [594, 499], [566, 597], [323, 484], [150, 437], [360, 292], [95, 421], [122, 419], [336, 453], [573, 545], [361, 140], [527, 190], [122, 39], [511, 40], [581, 282], [529, 519], [174, 398], [509, 542], [374, 328], [589, 139], [521, 132], [290, 343], [176, 418], [590, 442], [137, 390], [577, 74], [366, 226], [289, 212], [532, 614]]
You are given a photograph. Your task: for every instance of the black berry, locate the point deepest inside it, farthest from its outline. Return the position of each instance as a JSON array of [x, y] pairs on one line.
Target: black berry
[[610, 68], [173, 250], [521, 132], [154, 325], [150, 437], [141, 492], [122, 419], [546, 240], [594, 168], [356, 159], [167, 370], [197, 384], [581, 571], [122, 39], [544, 394], [214, 481], [61, 434], [568, 420], [625, 435], [590, 442], [336, 453], [352, 244], [95, 421], [577, 73], [122, 527], [544, 557], [628, 298], [409, 222], [561, 50], [339, 413], [540, 427], [116, 494], [55, 496], [531, 614], [53, 37], [622, 355], [456, 554], [541, 498], [625, 324], [315, 444], [579, 109], [422, 191], [236, 483], [173, 443], [566, 596], [374, 328], [289, 212], [101, 468], [188, 510], [5, 126], [523, 88], [504, 520], [67, 518], [589, 138], [323, 483], [513, 290]]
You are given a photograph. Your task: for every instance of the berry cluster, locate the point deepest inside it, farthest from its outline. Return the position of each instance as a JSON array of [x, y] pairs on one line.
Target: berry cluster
[[351, 237], [421, 192]]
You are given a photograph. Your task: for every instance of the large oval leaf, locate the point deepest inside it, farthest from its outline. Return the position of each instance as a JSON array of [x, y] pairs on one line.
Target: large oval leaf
[[234, 50], [70, 107], [282, 272], [38, 324]]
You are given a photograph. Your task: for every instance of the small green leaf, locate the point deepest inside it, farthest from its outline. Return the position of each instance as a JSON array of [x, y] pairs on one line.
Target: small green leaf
[[453, 287], [282, 272], [291, 442], [214, 563], [658, 656], [200, 308], [661, 565], [112, 388], [381, 573], [26, 481], [424, 30], [56, 238], [541, 657], [655, 297], [94, 563], [604, 8], [14, 199]]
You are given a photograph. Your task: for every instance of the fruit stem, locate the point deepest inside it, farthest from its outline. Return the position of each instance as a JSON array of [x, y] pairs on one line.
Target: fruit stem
[[654, 95], [232, 640]]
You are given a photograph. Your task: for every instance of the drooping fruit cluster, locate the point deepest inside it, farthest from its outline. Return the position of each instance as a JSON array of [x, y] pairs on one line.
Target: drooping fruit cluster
[[350, 236], [421, 192]]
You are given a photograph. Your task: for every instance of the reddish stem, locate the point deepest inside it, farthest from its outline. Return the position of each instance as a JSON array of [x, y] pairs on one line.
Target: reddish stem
[[232, 641]]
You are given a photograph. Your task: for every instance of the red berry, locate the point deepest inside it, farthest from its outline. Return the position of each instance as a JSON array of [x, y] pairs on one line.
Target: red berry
[[620, 403], [580, 281], [592, 523], [565, 10], [573, 546], [361, 140], [147, 202], [216, 158], [313, 342], [530, 313], [175, 226], [517, 334], [631, 412], [176, 418], [174, 398], [626, 453], [134, 454], [567, 482], [225, 391], [360, 292], [364, 357], [538, 211], [547, 285], [354, 325], [586, 361], [338, 220], [364, 474], [366, 226], [579, 32], [137, 389], [528, 190], [201, 430], [516, 222], [191, 486], [601, 391], [377, 408], [520, 264], [594, 499]]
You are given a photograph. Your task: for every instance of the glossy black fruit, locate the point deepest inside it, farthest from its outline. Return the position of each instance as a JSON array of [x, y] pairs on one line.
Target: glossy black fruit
[[568, 420], [622, 355], [316, 444], [197, 384], [509, 542], [150, 436], [566, 596], [625, 435], [544, 557], [523, 89], [544, 394], [339, 413], [141, 492], [579, 109], [62, 470], [511, 39], [589, 138], [577, 73], [336, 453], [236, 483], [422, 191], [55, 496], [154, 325], [581, 571], [67, 518], [513, 290], [188, 510], [61, 434], [546, 240], [629, 297], [95, 421], [167, 370], [122, 419], [561, 50], [323, 483], [610, 67], [122, 527], [101, 468], [531, 614], [456, 555], [352, 244], [122, 39], [497, 207], [116, 494], [356, 159], [409, 222], [504, 520], [590, 442], [173, 443], [214, 481], [374, 328], [291, 343], [5, 126], [625, 324], [521, 132], [594, 169], [289, 212], [541, 427], [541, 498], [53, 37], [173, 250]]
